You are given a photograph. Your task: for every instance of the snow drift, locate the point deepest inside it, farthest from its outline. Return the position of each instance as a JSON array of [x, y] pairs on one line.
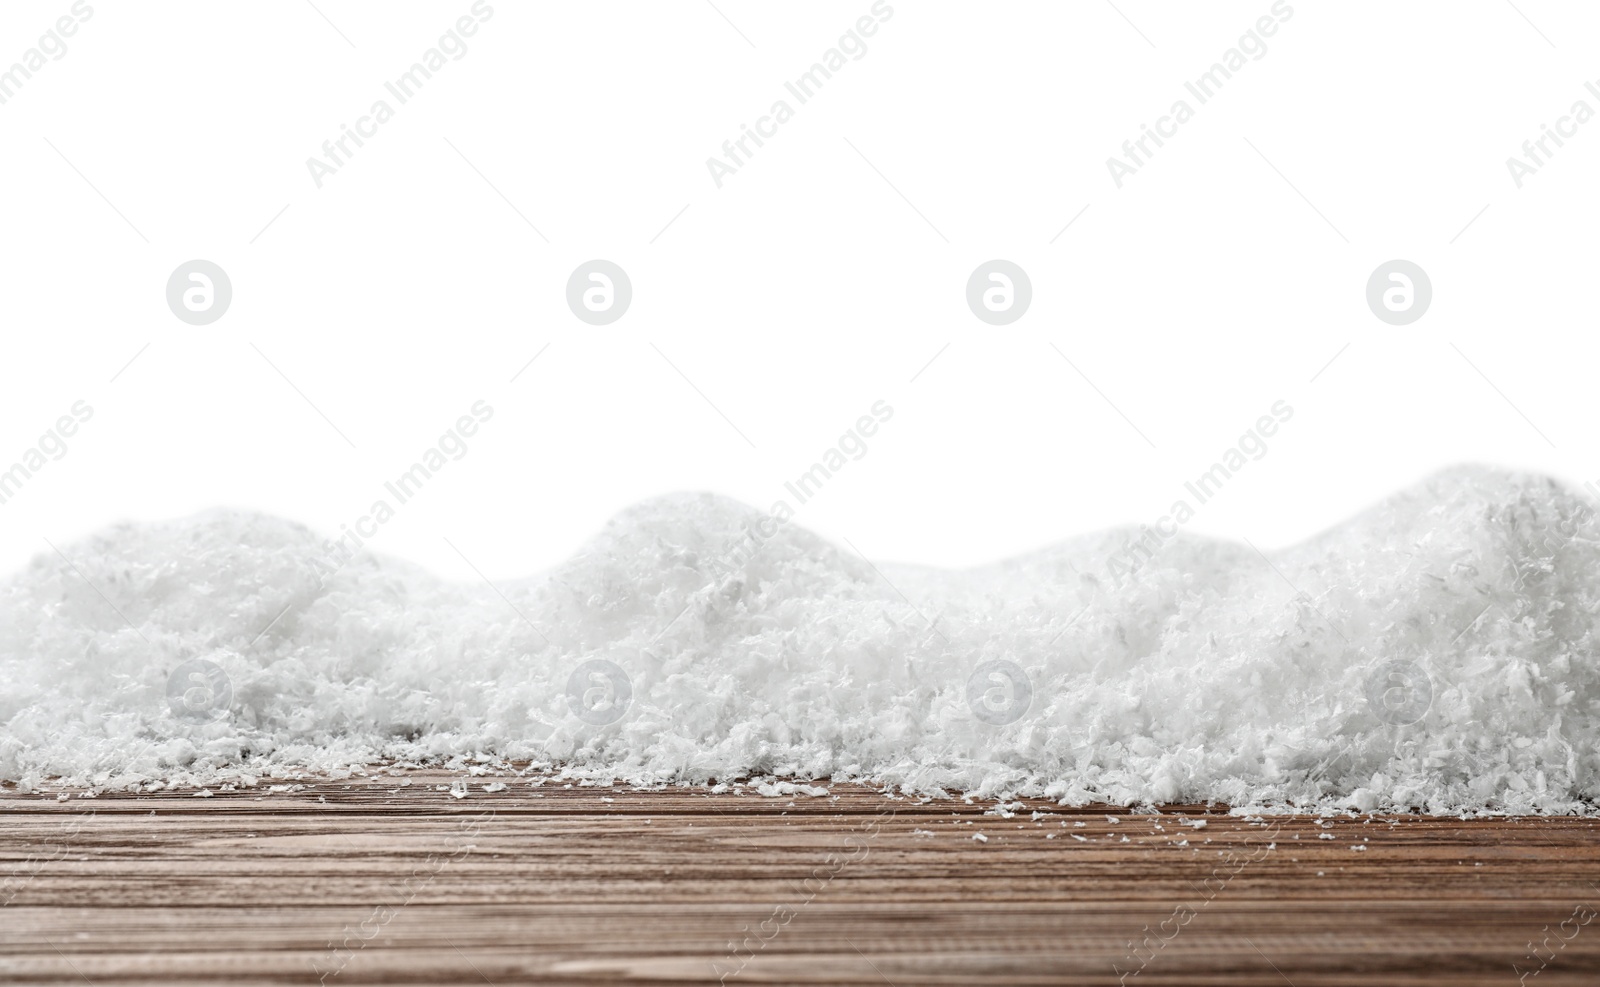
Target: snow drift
[[1437, 651]]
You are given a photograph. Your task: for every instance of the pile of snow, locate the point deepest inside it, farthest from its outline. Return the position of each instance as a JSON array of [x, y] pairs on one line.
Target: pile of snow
[[1438, 651]]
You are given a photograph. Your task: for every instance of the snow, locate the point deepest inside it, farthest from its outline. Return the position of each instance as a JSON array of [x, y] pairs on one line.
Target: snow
[[1436, 651]]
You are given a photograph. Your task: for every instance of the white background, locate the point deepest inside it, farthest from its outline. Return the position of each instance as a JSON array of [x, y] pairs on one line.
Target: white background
[[805, 289]]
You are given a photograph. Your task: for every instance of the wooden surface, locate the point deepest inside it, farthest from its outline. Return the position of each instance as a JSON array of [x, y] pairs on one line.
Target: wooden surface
[[364, 881]]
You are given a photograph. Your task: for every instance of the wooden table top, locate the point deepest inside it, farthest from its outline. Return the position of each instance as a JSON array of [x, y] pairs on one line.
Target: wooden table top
[[391, 879]]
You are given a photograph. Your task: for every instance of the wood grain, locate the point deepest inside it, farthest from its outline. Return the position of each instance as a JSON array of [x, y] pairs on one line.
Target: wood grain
[[365, 881]]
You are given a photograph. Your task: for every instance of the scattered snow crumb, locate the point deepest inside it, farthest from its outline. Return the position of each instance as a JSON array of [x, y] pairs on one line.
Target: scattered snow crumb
[[980, 837], [779, 789], [500, 786]]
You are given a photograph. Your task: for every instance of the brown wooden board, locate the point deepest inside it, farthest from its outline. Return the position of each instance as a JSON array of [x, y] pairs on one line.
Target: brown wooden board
[[367, 881]]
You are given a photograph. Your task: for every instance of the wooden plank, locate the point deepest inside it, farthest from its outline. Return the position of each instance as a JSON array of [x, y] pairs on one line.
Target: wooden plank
[[366, 881]]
